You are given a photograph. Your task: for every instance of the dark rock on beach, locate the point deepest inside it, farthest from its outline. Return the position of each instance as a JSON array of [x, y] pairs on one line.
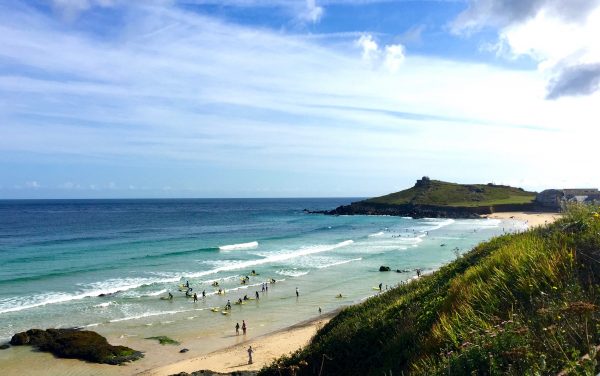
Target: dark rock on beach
[[184, 350], [4, 346], [76, 344], [384, 268]]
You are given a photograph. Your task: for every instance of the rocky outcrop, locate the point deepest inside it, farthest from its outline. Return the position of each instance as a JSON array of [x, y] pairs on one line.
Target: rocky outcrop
[[423, 211], [77, 344], [384, 268]]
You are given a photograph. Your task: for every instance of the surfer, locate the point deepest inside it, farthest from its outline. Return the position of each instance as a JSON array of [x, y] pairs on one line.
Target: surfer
[[380, 285], [203, 294], [253, 272], [320, 310], [243, 281], [195, 298], [188, 293], [297, 293], [246, 297], [339, 296], [170, 296], [239, 301], [244, 327], [418, 273], [273, 280], [237, 328], [215, 284], [228, 305], [257, 296], [263, 287], [187, 284]]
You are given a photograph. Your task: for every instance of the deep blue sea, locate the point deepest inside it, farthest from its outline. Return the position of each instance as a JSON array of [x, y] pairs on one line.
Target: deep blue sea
[[106, 263]]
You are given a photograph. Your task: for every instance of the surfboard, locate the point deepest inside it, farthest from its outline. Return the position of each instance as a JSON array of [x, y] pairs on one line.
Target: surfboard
[[376, 288], [214, 309], [225, 312]]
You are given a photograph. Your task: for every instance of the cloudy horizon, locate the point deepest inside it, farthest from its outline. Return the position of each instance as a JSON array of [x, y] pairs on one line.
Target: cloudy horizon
[[298, 98]]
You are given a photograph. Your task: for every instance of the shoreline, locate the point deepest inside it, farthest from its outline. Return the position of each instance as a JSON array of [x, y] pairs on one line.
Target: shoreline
[[530, 218], [224, 358], [267, 348]]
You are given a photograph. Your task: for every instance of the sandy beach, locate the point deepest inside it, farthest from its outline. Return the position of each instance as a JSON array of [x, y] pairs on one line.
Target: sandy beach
[[266, 349], [532, 219]]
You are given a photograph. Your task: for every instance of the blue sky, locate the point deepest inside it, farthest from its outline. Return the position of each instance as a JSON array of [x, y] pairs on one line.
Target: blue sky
[[294, 98]]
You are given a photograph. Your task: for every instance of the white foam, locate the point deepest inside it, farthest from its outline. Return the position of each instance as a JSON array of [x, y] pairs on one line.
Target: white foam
[[380, 233], [438, 224], [235, 247], [284, 256], [339, 263], [292, 272], [148, 314], [110, 286], [104, 305]]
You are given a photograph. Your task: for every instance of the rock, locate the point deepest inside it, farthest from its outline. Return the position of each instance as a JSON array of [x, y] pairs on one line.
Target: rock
[[184, 350], [4, 346], [77, 344], [402, 270], [384, 268]]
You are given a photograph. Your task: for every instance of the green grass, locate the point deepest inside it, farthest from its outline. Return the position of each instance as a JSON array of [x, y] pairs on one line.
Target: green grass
[[523, 304], [164, 340], [441, 193]]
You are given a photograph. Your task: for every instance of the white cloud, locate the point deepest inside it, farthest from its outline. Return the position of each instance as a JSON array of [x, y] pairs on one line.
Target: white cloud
[[560, 35], [197, 94], [370, 49], [312, 12], [390, 57], [394, 56], [32, 184]]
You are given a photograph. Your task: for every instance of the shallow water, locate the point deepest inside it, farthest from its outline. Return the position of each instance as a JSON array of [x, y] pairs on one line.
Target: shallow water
[[58, 256]]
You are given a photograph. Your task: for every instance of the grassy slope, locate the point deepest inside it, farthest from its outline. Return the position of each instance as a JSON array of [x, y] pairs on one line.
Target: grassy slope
[[441, 193], [517, 304]]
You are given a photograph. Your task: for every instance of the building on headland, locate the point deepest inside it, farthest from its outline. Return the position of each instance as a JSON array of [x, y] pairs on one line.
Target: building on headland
[[554, 199]]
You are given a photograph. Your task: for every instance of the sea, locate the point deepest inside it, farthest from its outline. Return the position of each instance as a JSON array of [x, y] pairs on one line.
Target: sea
[[108, 265]]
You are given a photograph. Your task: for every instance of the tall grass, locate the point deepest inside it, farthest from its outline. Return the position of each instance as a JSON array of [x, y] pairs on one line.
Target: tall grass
[[523, 304]]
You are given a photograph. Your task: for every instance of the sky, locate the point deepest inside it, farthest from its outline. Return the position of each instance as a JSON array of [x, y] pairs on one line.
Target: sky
[[295, 98]]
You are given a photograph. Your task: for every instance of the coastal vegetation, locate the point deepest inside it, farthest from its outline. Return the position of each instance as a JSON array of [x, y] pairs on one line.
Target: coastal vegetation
[[164, 340], [435, 198], [519, 304], [441, 193], [77, 344]]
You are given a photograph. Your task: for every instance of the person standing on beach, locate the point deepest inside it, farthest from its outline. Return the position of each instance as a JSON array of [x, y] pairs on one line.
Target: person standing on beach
[[237, 329], [381, 284], [244, 327], [257, 296], [195, 298], [319, 310], [250, 351], [297, 293]]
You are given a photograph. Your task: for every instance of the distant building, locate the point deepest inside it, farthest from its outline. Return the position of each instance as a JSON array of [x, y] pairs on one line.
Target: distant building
[[555, 198]]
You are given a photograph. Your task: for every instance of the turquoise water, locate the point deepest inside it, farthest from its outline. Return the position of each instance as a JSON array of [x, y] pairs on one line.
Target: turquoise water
[[57, 258]]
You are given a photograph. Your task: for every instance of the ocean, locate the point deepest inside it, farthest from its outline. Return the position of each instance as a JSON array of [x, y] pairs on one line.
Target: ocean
[[105, 264]]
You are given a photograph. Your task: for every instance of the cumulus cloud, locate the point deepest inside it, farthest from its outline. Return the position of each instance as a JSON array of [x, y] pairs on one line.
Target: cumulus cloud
[[390, 56], [561, 36], [32, 184]]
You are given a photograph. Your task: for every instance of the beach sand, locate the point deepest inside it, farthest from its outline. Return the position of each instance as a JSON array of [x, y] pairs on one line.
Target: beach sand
[[532, 219], [235, 358]]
